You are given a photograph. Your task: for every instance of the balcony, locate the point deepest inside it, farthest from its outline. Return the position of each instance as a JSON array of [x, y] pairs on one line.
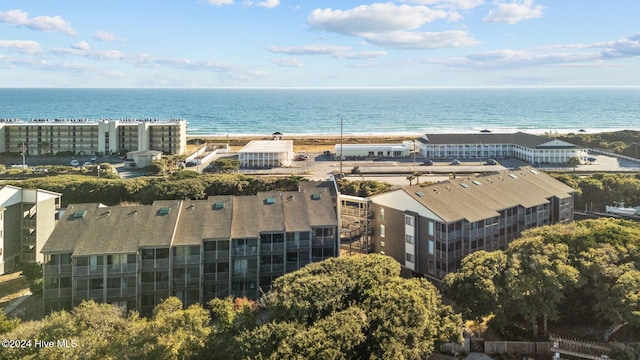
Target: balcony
[[120, 292], [219, 276], [323, 241], [57, 269], [88, 270], [157, 263], [28, 223], [57, 293], [301, 244], [182, 260], [121, 268], [267, 248], [214, 255], [155, 286], [243, 273]]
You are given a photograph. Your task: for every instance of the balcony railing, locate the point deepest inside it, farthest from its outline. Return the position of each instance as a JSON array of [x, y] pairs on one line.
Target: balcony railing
[[220, 276], [181, 260], [120, 292], [28, 223], [157, 263], [250, 272], [223, 254], [155, 286], [57, 293], [301, 244], [323, 241], [57, 269], [88, 270], [121, 268], [277, 247]]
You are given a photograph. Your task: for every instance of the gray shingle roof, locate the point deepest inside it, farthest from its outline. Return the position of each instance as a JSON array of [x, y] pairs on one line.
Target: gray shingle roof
[[94, 229], [520, 138], [480, 197]]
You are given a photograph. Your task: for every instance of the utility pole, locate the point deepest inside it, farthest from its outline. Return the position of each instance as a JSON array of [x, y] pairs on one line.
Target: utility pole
[[340, 147], [23, 147]]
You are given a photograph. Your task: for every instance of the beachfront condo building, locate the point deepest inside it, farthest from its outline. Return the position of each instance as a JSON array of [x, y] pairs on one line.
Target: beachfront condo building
[[530, 148], [430, 229], [136, 256], [27, 218], [83, 137]]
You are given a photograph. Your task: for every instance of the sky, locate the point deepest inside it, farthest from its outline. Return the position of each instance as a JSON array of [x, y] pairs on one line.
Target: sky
[[318, 43]]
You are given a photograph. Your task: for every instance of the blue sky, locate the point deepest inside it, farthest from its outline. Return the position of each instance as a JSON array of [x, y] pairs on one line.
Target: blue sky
[[281, 43]]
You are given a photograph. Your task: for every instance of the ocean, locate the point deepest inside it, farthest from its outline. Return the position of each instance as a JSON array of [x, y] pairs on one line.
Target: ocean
[[360, 111]]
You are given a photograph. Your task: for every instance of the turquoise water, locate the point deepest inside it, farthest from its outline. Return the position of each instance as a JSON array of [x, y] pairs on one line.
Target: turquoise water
[[363, 111]]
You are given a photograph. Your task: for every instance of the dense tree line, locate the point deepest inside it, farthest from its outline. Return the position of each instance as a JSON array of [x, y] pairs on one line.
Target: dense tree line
[[619, 142], [342, 308], [583, 273], [181, 185], [598, 190]]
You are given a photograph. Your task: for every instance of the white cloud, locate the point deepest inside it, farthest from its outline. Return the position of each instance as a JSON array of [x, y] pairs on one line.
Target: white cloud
[[339, 52], [360, 55], [21, 46], [104, 36], [514, 12], [220, 2], [453, 4], [422, 40], [374, 18], [288, 62], [17, 17], [394, 26], [312, 49], [267, 4], [82, 45]]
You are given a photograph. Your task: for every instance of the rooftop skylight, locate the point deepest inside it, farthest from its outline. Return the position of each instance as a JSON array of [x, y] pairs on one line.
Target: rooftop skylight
[[164, 210]]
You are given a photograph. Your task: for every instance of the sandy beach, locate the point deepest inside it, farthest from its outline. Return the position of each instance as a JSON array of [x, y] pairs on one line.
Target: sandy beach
[[311, 142]]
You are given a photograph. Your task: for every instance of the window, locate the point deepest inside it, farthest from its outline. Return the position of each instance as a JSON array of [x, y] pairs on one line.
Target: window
[[382, 213], [409, 239], [409, 257], [382, 232], [409, 220]]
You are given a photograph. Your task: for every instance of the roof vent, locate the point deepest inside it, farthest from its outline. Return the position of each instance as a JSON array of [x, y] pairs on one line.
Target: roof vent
[[315, 196], [270, 201], [164, 210], [191, 207], [513, 176], [219, 205]]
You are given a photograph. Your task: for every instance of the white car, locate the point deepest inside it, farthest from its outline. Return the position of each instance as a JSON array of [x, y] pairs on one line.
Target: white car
[[75, 162], [88, 163]]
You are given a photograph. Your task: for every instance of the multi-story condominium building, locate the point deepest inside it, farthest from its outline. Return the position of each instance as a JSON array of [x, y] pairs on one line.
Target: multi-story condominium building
[[27, 218], [430, 229], [81, 136], [197, 250], [526, 147]]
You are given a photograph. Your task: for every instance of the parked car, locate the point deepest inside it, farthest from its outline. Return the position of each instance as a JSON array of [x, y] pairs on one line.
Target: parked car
[[74, 162], [88, 163], [428, 162], [301, 157], [94, 158], [190, 164], [455, 162], [491, 162], [591, 159]]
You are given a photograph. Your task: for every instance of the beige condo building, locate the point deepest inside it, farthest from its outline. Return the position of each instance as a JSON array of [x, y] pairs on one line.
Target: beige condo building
[[82, 136]]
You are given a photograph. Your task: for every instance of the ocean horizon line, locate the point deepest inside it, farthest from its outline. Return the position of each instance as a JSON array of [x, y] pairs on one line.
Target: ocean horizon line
[[341, 87], [408, 133]]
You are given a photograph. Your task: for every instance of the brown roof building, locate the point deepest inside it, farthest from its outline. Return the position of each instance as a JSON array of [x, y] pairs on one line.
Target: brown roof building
[[431, 229], [135, 256]]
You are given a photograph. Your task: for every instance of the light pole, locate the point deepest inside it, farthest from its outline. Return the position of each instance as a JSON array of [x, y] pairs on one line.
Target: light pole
[[340, 147], [23, 147]]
